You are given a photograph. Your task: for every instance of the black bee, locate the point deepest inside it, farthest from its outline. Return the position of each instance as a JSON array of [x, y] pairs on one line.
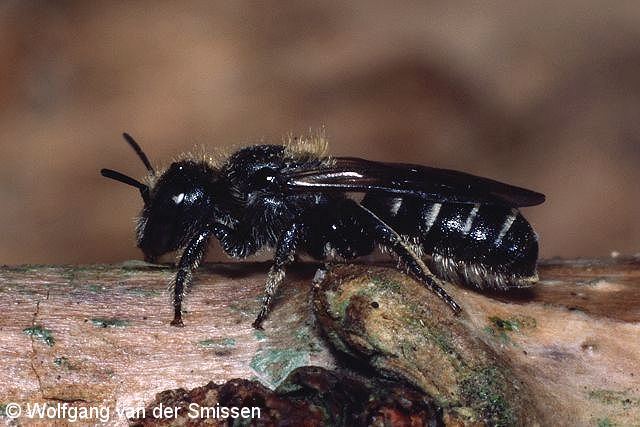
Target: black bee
[[292, 197]]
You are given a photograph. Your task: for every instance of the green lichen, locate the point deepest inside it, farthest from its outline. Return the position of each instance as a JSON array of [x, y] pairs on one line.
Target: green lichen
[[95, 288], [273, 365], [338, 308], [143, 292], [513, 324], [485, 389], [248, 308], [102, 322], [443, 342], [302, 334], [41, 334], [306, 340], [217, 343], [385, 284], [606, 396], [605, 422], [27, 268], [612, 397], [500, 329], [63, 362], [260, 335], [499, 335], [505, 324]]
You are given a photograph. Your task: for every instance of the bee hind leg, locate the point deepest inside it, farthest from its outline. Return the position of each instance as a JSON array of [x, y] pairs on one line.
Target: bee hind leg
[[389, 238]]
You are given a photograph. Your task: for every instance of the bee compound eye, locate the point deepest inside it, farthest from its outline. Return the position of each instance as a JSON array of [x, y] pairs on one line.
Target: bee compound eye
[[264, 177]]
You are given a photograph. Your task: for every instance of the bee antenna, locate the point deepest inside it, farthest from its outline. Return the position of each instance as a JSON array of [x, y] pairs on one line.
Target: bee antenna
[[144, 190], [132, 142]]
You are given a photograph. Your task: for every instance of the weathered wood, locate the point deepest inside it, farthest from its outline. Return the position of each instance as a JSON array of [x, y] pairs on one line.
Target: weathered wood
[[100, 335], [558, 354], [108, 340]]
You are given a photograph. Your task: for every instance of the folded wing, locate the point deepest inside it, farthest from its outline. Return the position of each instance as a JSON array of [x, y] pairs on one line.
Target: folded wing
[[351, 174]]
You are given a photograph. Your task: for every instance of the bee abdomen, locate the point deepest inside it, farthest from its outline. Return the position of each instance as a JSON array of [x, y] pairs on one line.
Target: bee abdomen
[[484, 246]]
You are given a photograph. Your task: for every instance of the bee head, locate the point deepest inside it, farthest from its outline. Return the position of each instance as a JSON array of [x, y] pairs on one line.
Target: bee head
[[175, 206], [179, 205]]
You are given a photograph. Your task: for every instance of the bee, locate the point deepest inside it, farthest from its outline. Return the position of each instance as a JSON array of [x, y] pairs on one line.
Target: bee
[[441, 224]]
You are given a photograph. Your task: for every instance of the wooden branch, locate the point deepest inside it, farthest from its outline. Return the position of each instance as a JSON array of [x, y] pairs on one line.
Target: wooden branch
[[563, 353], [100, 335]]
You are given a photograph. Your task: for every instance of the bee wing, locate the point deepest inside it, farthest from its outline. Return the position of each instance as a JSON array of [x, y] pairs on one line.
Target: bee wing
[[351, 174]]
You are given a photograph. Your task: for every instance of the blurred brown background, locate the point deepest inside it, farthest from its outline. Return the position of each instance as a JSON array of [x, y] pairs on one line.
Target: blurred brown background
[[540, 94]]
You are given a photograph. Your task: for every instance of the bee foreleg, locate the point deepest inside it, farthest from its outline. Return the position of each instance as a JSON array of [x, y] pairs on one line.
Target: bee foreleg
[[285, 251], [191, 257], [388, 237]]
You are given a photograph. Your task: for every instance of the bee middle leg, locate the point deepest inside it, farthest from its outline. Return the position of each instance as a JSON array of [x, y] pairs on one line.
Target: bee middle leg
[[284, 254], [388, 237]]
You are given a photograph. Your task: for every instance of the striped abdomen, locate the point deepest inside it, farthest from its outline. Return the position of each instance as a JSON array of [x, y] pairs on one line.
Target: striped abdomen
[[485, 246]]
